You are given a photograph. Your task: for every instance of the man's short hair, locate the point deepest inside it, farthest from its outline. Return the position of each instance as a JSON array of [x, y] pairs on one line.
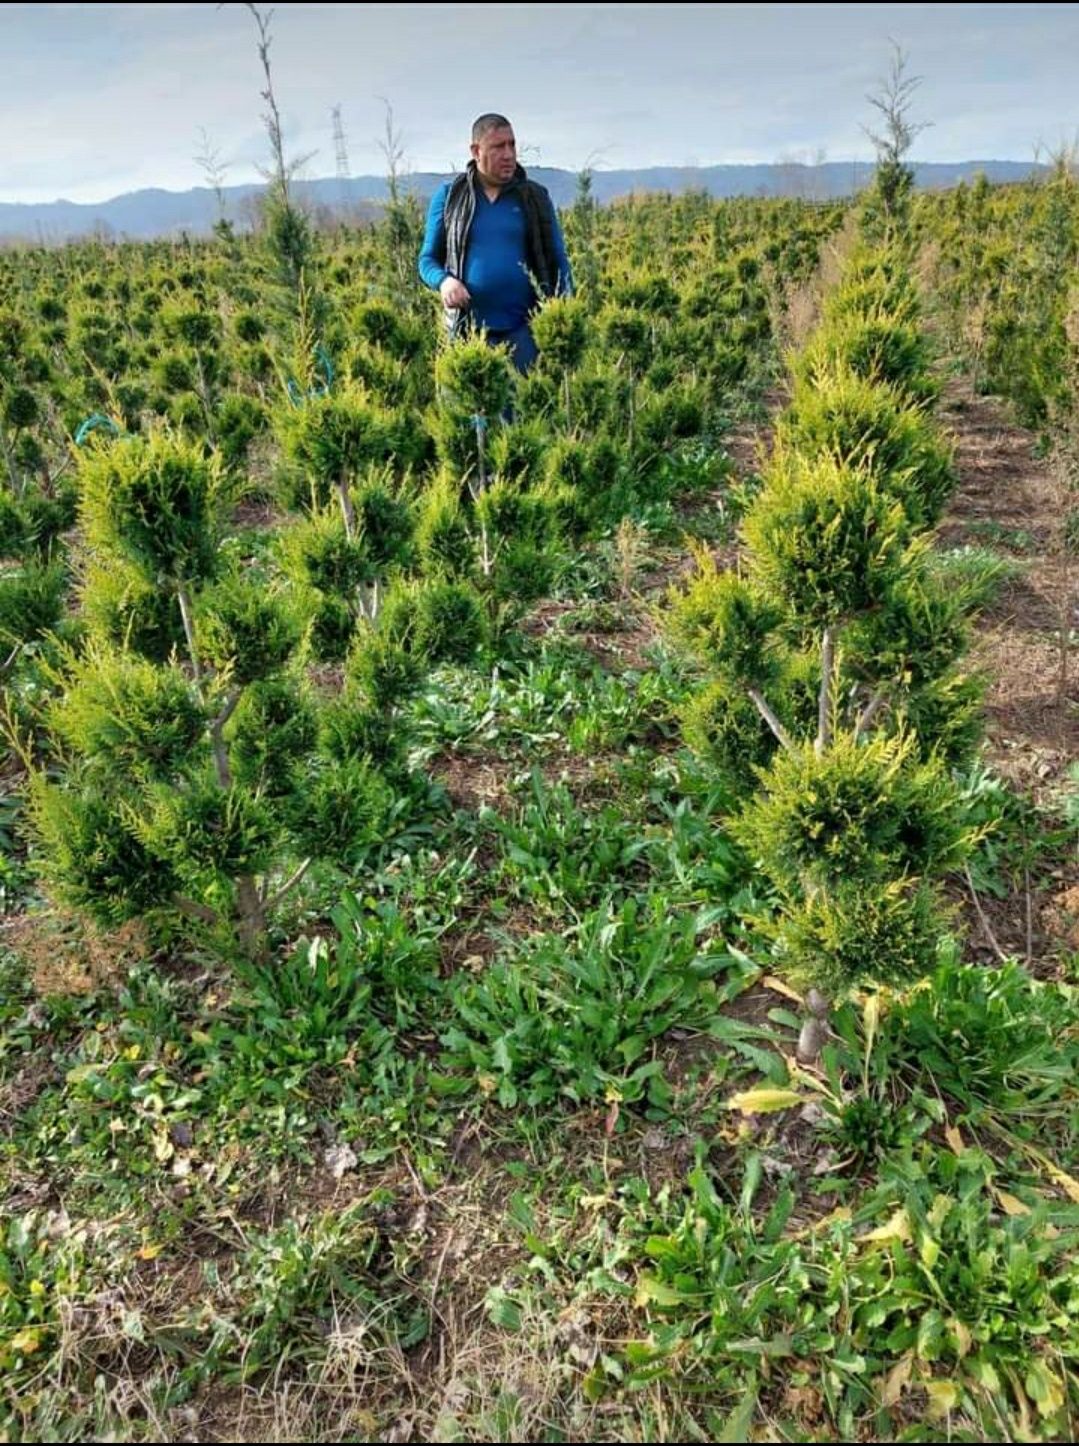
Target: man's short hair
[[487, 123]]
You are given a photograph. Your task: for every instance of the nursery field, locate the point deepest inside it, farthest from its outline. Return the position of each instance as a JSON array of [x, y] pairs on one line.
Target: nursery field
[[545, 908]]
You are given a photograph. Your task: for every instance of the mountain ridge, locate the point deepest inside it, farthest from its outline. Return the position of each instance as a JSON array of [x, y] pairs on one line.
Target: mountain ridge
[[155, 212]]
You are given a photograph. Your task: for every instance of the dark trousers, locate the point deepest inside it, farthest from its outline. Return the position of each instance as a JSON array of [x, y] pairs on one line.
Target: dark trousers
[[523, 349]]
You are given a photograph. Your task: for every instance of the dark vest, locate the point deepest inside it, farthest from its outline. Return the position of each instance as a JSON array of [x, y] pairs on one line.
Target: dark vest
[[458, 216]]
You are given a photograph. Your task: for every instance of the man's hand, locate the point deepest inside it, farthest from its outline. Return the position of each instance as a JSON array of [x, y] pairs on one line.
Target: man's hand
[[454, 292]]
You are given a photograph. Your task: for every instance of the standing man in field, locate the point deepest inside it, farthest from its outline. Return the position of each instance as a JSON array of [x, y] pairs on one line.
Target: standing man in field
[[493, 247]]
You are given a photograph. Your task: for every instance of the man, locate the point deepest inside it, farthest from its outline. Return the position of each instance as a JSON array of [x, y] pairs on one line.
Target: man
[[492, 240]]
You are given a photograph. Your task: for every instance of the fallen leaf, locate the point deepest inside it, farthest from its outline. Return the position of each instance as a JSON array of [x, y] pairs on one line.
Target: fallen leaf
[[897, 1380], [897, 1228], [763, 1101]]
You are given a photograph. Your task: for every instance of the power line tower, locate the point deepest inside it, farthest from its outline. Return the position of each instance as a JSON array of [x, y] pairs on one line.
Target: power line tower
[[341, 152]]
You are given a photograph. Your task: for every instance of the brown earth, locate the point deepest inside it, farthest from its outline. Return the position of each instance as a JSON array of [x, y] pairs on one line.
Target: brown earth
[[1009, 499]]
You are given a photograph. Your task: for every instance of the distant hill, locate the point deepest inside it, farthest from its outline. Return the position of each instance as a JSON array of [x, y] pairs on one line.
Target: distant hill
[[141, 215]]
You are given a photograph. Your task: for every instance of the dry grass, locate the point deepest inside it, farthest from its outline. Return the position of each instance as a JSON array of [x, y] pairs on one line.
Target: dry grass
[[65, 953]]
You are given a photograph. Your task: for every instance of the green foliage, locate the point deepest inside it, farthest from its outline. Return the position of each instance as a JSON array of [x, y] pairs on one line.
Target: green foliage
[[381, 663], [571, 1017], [518, 452], [209, 833], [158, 502], [881, 349], [858, 813], [474, 379], [384, 526], [342, 809], [274, 726], [875, 283], [941, 1291], [335, 439], [560, 329], [449, 624], [245, 628], [93, 855], [443, 536], [237, 421], [916, 635], [722, 725], [728, 622], [874, 932], [31, 601], [996, 1041], [826, 538], [318, 552], [867, 425], [127, 717], [663, 420], [32, 523], [947, 716], [977, 574]]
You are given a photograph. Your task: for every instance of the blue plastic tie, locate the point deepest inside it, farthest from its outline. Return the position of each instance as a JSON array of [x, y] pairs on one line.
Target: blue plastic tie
[[296, 394], [94, 423]]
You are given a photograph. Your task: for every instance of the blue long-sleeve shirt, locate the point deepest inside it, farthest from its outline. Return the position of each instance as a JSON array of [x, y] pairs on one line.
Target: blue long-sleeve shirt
[[496, 269]]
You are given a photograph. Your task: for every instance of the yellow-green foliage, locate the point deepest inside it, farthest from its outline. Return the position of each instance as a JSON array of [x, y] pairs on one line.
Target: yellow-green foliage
[[209, 833], [826, 538], [878, 348], [857, 813], [835, 940], [728, 622], [443, 534], [474, 379], [246, 628], [335, 439], [159, 502], [131, 718], [870, 425], [561, 330]]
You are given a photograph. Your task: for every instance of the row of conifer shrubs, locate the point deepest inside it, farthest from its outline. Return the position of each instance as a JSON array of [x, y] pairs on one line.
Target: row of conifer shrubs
[[218, 716], [837, 705]]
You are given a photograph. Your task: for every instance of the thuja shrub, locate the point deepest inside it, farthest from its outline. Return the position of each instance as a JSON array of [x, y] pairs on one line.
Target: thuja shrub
[[871, 425], [562, 330], [873, 284], [858, 813], [342, 561], [826, 539], [877, 348], [856, 840], [722, 724], [920, 630], [159, 503], [32, 601], [475, 388], [121, 605], [855, 821], [334, 441], [203, 782], [837, 939], [730, 623]]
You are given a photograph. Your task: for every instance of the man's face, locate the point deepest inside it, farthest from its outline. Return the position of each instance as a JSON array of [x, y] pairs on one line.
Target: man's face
[[496, 155]]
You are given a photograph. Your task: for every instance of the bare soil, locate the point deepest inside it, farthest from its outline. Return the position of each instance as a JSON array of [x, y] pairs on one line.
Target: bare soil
[[1009, 499]]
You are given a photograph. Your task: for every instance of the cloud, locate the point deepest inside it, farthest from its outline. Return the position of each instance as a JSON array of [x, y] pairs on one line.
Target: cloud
[[100, 99]]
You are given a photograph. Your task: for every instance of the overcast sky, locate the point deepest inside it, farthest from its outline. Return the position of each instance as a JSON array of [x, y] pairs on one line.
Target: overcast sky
[[102, 99]]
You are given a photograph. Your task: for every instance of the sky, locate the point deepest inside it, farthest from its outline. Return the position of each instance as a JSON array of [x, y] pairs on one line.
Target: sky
[[99, 100]]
